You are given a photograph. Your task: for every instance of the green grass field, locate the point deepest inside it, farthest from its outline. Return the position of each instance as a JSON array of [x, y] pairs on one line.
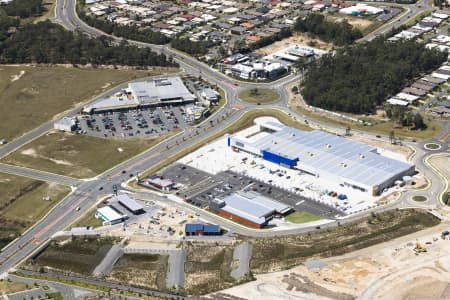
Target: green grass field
[[301, 217], [80, 255], [42, 92], [432, 146], [258, 95], [22, 203], [420, 198], [89, 219], [77, 156], [9, 287]]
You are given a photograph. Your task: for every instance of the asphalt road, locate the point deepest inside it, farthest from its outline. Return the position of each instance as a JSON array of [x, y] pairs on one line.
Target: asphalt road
[[39, 175], [67, 291], [103, 283], [88, 191]]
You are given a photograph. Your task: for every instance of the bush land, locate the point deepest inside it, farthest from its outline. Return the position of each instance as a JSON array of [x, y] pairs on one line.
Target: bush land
[[357, 79], [339, 33], [24, 8], [49, 43]]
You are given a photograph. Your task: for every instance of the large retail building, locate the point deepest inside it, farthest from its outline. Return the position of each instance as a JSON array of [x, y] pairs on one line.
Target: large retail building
[[324, 155]]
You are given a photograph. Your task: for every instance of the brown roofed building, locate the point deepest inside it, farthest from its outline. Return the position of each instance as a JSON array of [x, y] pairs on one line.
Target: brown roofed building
[[253, 38], [248, 25]]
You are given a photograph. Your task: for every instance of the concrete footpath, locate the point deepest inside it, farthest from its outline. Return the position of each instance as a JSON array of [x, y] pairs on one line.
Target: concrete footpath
[[108, 262], [241, 257]]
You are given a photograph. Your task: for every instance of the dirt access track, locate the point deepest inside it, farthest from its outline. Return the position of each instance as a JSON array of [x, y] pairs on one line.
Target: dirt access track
[[389, 270]]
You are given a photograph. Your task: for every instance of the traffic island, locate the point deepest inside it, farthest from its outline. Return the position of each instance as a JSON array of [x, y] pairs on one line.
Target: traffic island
[[259, 96], [432, 146], [420, 198]]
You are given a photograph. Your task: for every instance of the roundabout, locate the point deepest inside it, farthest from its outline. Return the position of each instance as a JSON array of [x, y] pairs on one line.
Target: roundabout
[[432, 146], [259, 96]]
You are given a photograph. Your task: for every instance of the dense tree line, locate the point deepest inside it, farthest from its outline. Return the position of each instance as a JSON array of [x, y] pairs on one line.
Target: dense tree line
[[283, 33], [339, 33], [190, 47], [356, 79], [46, 42], [24, 8], [404, 116], [6, 23], [134, 32]]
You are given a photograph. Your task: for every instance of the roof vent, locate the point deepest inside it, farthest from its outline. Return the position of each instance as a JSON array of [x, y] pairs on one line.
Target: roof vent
[[344, 165], [361, 156], [328, 146]]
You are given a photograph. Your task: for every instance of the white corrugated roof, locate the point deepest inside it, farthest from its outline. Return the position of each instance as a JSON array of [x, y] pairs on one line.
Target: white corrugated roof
[[322, 152], [252, 206], [108, 213]]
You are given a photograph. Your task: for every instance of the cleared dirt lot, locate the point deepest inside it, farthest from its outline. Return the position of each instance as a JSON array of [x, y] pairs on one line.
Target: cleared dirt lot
[[441, 162], [393, 265], [297, 38], [147, 270], [208, 268], [365, 24], [275, 254]]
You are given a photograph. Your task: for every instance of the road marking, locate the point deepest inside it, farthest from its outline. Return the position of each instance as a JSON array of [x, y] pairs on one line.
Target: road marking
[[139, 162], [47, 228]]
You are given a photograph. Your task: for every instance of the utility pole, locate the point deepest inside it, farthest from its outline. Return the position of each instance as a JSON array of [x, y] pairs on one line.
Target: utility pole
[[348, 131], [392, 137]]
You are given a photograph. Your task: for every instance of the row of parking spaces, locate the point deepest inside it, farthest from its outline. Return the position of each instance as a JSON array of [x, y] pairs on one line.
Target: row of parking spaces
[[217, 157], [134, 123], [201, 187]]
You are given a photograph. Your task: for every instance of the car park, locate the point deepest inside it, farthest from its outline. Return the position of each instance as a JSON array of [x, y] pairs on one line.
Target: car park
[[133, 123]]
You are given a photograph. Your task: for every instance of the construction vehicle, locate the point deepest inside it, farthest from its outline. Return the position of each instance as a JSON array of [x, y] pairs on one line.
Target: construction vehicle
[[419, 248]]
